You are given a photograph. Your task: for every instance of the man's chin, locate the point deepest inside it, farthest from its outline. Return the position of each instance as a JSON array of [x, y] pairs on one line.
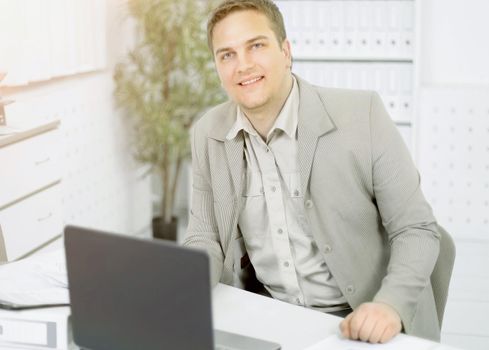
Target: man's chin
[[251, 106]]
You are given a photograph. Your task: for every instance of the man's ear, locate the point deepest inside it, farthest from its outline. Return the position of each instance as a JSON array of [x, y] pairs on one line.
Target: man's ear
[[286, 48]]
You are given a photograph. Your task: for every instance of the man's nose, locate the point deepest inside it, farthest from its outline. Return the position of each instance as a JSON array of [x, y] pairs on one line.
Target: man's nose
[[245, 63]]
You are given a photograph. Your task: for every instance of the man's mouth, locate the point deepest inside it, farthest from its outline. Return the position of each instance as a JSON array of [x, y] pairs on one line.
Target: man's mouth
[[251, 81]]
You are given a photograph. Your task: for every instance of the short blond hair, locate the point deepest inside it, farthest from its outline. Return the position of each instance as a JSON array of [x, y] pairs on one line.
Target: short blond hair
[[266, 7]]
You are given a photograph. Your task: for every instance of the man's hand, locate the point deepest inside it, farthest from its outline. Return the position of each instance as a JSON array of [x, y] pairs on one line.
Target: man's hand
[[372, 322]]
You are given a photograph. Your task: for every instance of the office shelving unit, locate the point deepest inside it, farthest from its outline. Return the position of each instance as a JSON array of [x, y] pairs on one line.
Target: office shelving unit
[[358, 44]]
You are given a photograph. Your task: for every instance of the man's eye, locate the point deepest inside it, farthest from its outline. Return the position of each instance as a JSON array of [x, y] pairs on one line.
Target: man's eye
[[257, 45], [226, 56]]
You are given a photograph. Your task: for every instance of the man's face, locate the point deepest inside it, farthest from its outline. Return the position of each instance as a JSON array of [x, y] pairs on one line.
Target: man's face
[[251, 64]]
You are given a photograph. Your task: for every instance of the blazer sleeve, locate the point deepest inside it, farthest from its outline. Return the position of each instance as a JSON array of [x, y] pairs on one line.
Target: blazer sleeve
[[407, 217], [202, 231]]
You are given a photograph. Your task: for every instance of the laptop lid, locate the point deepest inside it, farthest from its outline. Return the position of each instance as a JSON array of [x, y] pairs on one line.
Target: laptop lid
[[129, 293]]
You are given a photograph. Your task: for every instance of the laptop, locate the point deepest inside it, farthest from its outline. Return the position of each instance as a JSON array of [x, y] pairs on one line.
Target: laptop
[[130, 293]]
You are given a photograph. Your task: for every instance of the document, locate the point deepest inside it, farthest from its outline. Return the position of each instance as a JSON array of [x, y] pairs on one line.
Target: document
[[400, 342], [37, 281]]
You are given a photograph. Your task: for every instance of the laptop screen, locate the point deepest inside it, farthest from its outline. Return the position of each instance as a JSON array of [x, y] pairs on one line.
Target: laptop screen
[[129, 293]]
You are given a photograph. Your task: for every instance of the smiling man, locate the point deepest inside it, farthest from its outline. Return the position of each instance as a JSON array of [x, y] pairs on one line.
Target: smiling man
[[253, 65], [309, 191]]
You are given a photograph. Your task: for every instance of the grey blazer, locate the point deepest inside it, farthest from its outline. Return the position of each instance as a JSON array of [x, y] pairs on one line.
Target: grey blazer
[[368, 215]]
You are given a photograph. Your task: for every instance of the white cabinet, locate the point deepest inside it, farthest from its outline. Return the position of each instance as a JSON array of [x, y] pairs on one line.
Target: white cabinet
[[31, 222], [29, 165], [30, 196]]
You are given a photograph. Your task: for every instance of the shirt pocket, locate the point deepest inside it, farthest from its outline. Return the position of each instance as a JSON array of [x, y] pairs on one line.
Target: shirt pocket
[[253, 185], [253, 219]]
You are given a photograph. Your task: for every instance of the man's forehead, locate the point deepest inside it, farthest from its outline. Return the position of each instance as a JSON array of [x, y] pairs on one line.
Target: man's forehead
[[234, 32]]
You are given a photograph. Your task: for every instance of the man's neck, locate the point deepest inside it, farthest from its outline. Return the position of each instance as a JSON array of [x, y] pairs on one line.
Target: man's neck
[[263, 119]]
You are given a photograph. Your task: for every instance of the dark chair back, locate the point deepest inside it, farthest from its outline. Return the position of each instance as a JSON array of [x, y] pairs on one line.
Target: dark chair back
[[440, 278]]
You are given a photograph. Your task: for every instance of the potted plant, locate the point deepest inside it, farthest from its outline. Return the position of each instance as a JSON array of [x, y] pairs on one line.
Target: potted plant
[[166, 81]]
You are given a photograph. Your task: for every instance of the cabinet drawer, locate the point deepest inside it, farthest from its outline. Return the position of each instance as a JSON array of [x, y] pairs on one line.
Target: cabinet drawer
[[31, 222], [29, 165]]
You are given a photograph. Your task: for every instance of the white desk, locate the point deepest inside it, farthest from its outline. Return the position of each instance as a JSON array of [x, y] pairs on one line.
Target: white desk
[[238, 311], [292, 326]]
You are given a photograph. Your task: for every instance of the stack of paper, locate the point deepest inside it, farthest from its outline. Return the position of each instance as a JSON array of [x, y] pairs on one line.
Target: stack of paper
[[36, 281], [41, 279], [400, 342]]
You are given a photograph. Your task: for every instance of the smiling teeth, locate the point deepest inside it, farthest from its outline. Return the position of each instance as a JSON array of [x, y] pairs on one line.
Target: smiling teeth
[[250, 81]]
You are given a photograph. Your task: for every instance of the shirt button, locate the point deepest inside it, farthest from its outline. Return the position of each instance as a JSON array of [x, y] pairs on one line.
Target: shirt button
[[296, 193], [327, 248], [309, 204], [280, 231], [350, 289], [286, 264], [273, 188]]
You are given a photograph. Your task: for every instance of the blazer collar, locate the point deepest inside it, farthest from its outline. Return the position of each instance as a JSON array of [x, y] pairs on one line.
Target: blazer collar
[[314, 120], [313, 115], [227, 118]]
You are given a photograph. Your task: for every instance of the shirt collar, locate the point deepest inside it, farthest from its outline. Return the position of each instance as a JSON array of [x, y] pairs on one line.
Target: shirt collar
[[287, 119], [241, 123]]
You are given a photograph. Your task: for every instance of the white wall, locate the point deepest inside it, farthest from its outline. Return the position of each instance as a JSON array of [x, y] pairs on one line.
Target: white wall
[[453, 153], [455, 42]]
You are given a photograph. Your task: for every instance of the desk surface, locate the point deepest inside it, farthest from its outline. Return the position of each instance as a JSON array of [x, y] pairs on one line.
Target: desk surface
[[294, 327], [238, 311]]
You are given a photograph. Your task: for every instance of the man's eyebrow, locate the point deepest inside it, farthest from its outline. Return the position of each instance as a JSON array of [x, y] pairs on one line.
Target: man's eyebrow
[[259, 37], [249, 41]]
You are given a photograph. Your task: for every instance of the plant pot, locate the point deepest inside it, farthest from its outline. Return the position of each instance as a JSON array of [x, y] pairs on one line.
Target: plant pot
[[165, 230]]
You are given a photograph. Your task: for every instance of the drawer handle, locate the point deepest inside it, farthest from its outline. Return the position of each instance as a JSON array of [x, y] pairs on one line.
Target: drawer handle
[[45, 217], [39, 162]]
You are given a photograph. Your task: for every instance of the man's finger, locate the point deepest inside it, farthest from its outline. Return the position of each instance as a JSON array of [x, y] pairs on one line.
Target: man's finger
[[345, 326], [390, 332], [367, 328], [356, 324], [377, 333]]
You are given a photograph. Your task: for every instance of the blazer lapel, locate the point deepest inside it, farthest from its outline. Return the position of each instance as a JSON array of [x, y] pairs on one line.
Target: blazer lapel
[[314, 121], [233, 147], [234, 154]]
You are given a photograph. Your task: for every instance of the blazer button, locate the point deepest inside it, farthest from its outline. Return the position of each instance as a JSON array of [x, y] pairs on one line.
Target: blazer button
[[350, 289], [309, 204]]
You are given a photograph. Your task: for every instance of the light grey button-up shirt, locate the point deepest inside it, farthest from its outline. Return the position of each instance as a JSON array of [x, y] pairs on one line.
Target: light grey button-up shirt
[[273, 221]]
